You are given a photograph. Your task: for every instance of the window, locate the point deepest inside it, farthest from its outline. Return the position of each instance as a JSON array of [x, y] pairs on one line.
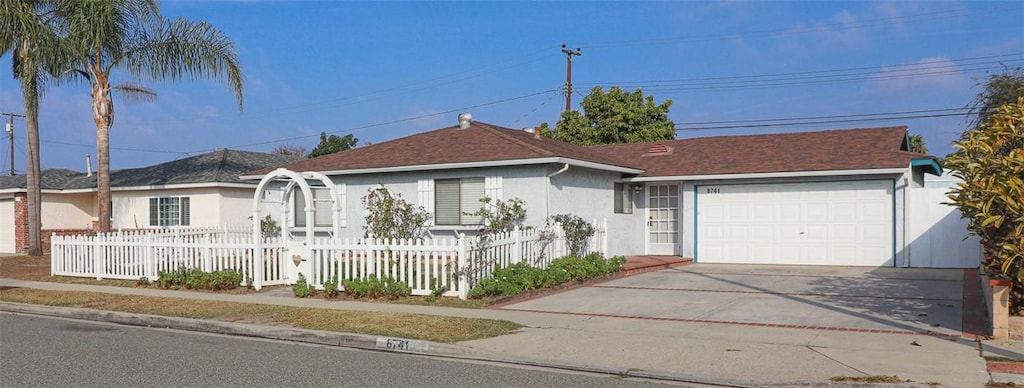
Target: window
[[455, 197], [169, 211], [322, 216], [623, 199]]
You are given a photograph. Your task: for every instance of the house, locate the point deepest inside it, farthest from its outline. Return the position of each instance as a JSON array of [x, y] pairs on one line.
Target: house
[[198, 191], [835, 197]]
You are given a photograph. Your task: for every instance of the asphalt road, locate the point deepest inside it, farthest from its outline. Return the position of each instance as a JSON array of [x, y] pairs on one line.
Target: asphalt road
[[41, 351]]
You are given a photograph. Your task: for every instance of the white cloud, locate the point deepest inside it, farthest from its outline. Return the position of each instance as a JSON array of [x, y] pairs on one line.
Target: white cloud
[[927, 73]]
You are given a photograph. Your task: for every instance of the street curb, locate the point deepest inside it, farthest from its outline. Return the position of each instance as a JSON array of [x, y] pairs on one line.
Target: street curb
[[328, 338], [319, 337]]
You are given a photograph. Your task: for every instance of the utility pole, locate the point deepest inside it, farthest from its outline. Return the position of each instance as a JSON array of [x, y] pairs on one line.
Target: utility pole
[[10, 134], [569, 53]]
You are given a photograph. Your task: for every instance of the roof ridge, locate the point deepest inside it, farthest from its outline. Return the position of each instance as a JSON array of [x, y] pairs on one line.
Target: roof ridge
[[497, 131]]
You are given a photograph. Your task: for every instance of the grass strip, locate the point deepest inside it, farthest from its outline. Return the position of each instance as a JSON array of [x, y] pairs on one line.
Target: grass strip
[[413, 326]]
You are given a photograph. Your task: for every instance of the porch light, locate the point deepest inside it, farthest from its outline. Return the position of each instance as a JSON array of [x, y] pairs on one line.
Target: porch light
[[638, 188]]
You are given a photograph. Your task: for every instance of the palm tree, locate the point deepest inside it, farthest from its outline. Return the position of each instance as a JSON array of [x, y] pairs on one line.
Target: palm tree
[[131, 35], [917, 144], [26, 31]]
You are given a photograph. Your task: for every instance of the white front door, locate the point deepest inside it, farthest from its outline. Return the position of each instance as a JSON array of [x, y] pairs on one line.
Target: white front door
[[662, 219]]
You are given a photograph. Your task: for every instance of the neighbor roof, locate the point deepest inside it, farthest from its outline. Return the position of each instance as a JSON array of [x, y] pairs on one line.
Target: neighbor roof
[[844, 149], [221, 166], [481, 142]]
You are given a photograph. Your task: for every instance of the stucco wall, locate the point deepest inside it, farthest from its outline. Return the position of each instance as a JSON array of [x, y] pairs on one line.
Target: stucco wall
[[589, 194], [67, 211], [235, 205], [131, 208]]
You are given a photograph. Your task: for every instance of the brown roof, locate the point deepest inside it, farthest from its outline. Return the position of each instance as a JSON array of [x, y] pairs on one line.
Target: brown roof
[[844, 149], [481, 142]]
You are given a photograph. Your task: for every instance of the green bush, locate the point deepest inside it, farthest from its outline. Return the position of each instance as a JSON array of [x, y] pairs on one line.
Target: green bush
[[301, 287], [331, 288], [520, 277], [374, 288], [197, 279]]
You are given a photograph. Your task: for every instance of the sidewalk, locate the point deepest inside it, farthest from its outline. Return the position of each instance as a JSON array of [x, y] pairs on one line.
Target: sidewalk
[[697, 352]]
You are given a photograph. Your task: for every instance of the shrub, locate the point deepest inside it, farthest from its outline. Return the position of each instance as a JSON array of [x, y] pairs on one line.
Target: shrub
[[331, 288], [301, 287], [520, 277], [197, 279], [374, 288]]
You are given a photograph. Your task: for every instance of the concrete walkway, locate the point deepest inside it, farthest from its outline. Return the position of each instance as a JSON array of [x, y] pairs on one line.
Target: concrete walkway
[[734, 355]]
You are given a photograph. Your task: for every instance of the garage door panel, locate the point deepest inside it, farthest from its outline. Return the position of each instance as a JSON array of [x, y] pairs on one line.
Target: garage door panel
[[7, 226], [824, 223]]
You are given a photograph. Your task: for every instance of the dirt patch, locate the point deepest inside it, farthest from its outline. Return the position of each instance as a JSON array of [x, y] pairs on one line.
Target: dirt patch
[[25, 267]]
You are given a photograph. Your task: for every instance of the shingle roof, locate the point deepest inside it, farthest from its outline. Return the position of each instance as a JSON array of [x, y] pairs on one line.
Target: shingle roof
[[481, 142], [221, 166], [844, 149]]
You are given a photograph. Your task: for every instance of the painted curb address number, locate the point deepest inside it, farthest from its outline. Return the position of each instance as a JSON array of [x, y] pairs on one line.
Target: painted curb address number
[[402, 345]]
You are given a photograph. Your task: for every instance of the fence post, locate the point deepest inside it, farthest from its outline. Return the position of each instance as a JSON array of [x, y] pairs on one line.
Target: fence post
[[460, 261], [604, 237], [207, 253], [517, 246], [150, 260], [97, 256], [55, 255]]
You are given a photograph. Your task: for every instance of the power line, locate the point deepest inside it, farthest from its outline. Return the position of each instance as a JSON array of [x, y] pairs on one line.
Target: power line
[[818, 120], [113, 148]]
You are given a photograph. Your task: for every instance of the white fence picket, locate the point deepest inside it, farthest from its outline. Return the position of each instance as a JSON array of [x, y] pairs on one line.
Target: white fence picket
[[453, 265]]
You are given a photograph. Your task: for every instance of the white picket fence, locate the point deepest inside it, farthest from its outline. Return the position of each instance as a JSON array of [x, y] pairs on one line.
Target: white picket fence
[[453, 264]]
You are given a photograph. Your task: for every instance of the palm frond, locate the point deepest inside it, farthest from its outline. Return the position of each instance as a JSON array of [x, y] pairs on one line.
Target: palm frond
[[177, 49], [135, 93]]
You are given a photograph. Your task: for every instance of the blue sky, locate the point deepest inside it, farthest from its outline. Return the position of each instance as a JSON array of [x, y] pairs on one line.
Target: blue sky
[[382, 70]]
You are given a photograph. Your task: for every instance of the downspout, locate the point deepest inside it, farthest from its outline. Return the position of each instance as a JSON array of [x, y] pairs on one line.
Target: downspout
[[906, 224], [547, 190]]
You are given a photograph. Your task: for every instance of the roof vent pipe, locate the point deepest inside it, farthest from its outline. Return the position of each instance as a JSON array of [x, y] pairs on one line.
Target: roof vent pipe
[[465, 120], [88, 165]]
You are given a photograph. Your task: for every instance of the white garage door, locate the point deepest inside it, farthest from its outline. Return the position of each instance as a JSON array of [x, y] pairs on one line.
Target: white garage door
[[6, 225], [827, 223]]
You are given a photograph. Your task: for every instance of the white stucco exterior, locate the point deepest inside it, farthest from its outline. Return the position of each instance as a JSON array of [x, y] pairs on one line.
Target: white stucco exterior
[[209, 206], [67, 211]]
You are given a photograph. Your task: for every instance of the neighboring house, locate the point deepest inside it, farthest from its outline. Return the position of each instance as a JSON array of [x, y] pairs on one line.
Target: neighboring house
[[837, 197], [199, 191]]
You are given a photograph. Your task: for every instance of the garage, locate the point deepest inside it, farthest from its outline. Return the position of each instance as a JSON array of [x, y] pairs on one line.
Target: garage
[[818, 223], [7, 225]]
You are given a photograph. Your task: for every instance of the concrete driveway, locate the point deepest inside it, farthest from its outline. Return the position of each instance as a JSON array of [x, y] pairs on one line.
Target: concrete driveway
[[890, 300]]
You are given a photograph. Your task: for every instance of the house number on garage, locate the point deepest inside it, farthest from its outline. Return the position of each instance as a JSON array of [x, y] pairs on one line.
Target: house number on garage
[[713, 190]]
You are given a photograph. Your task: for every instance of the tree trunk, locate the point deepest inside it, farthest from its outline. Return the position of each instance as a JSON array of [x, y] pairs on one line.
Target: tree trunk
[[103, 115], [30, 89]]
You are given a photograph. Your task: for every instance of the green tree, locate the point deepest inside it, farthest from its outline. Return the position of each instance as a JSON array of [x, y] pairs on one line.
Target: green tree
[[917, 144], [390, 216], [100, 36], [333, 143], [614, 117], [27, 33], [991, 195], [997, 90]]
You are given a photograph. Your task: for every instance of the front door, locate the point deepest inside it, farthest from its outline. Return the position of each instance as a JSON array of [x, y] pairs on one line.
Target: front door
[[662, 219]]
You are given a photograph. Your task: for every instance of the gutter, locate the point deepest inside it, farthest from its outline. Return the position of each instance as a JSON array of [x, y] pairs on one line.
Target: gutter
[[547, 191]]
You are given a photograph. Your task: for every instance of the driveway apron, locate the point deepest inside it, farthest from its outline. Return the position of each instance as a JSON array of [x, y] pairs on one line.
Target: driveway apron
[[897, 300]]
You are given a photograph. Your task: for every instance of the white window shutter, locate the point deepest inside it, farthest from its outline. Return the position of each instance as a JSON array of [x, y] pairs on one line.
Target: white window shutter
[[492, 188], [425, 189], [343, 213]]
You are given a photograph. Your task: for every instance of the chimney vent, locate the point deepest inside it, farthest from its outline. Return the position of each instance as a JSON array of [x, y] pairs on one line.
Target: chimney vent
[[465, 120], [88, 165]]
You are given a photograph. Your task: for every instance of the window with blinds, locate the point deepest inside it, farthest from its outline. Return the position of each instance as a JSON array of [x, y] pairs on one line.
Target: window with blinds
[[321, 207], [453, 198], [169, 211]]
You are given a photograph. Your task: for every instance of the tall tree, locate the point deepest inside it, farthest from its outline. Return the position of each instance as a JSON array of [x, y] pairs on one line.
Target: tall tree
[[615, 117], [333, 143], [996, 90], [289, 150], [26, 32], [101, 36], [917, 144]]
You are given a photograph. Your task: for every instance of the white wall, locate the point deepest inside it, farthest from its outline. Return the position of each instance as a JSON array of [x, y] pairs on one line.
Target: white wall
[[589, 194], [67, 211], [236, 205], [131, 208], [7, 241], [936, 233]]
